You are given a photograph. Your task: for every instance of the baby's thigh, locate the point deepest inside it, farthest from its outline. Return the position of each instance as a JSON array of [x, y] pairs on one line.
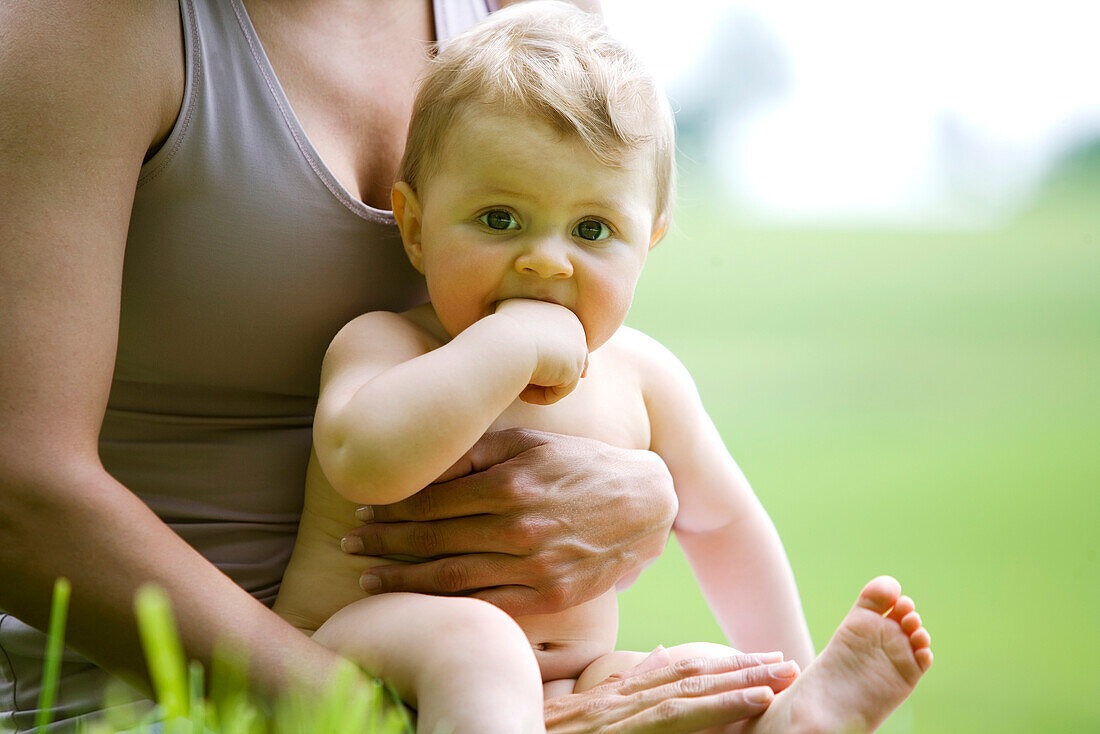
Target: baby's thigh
[[619, 660], [401, 638]]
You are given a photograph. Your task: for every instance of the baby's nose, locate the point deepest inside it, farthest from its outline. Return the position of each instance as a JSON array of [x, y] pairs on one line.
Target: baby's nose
[[546, 259]]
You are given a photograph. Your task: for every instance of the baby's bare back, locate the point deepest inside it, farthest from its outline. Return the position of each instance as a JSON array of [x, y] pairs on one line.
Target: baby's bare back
[[321, 579]]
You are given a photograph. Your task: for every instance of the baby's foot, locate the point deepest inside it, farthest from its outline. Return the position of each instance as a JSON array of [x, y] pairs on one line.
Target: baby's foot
[[875, 659]]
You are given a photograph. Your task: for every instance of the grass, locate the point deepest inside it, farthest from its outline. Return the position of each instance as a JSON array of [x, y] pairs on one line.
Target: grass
[[183, 706], [924, 404]]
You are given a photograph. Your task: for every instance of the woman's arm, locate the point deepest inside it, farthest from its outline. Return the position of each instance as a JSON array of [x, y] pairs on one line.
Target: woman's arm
[[726, 534], [86, 88], [392, 418]]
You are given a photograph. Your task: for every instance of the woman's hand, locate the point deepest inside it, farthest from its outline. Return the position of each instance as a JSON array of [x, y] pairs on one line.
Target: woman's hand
[[532, 522], [657, 697]]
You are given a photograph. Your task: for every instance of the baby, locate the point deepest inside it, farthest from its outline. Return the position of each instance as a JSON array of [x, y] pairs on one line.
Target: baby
[[538, 175]]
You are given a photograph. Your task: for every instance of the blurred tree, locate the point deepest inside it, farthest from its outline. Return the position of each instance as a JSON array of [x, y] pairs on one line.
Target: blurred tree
[[1073, 181], [744, 66]]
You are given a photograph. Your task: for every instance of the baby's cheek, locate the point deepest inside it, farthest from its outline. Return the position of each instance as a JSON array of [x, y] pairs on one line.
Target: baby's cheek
[[455, 307], [603, 312]]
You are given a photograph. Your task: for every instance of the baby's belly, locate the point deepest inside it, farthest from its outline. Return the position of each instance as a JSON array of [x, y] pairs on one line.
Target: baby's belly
[[321, 580], [566, 642]]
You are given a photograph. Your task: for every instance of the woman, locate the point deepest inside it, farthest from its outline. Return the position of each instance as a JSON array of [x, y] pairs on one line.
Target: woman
[[194, 203]]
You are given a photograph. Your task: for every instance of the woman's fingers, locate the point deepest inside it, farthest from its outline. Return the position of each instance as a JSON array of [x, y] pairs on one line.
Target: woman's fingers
[[482, 491], [747, 664], [452, 575], [509, 597], [686, 715], [459, 497], [686, 696], [432, 539], [775, 677]]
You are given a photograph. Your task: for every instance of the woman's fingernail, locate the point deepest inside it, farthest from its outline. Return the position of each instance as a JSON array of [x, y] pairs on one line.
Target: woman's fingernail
[[772, 657], [370, 583], [788, 669], [364, 514], [759, 695], [351, 544]]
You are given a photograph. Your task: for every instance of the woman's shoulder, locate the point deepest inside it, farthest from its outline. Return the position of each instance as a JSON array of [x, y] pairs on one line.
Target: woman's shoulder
[[119, 62]]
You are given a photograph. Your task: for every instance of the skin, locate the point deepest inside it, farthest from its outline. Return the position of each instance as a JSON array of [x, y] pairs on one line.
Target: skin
[[89, 90]]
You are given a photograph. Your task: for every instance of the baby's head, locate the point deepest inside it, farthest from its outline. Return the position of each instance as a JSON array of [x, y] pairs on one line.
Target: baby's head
[[539, 164]]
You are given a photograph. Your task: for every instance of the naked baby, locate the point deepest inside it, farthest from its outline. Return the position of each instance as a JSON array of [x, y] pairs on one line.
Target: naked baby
[[538, 175]]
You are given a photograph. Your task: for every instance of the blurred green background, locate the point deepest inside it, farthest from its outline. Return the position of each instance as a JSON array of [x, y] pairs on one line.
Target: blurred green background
[[922, 403]]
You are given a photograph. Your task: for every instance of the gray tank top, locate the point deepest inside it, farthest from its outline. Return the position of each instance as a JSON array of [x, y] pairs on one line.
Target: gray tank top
[[244, 258]]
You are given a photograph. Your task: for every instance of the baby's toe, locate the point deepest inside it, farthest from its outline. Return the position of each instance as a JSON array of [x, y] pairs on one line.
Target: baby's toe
[[880, 594], [904, 606], [910, 623]]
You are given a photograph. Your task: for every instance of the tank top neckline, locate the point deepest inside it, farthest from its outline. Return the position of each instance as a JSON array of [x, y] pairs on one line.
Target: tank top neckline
[[312, 157]]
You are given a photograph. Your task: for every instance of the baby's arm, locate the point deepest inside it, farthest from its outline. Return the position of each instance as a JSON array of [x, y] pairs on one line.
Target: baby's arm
[[394, 414], [726, 534]]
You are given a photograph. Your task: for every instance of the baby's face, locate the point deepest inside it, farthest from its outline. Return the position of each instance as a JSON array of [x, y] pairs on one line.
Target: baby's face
[[513, 210]]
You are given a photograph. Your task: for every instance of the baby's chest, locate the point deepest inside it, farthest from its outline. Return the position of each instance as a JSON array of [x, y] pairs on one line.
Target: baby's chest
[[601, 408]]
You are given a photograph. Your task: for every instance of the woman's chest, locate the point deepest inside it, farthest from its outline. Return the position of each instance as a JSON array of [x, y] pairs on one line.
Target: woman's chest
[[350, 78]]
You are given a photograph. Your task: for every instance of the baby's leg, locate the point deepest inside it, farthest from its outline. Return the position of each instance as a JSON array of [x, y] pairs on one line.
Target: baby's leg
[[464, 665]]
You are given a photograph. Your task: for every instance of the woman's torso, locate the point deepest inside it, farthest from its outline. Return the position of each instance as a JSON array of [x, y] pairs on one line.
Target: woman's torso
[[248, 248]]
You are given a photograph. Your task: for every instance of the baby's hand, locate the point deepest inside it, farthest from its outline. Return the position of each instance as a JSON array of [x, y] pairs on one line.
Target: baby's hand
[[560, 343]]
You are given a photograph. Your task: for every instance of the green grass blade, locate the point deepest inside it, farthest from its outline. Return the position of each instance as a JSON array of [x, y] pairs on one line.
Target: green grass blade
[[197, 705], [55, 640], [163, 651]]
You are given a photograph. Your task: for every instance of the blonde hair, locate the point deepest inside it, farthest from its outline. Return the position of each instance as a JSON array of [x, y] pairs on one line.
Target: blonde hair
[[556, 63]]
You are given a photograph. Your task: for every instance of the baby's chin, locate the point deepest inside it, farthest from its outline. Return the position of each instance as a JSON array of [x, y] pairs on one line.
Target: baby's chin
[[597, 341]]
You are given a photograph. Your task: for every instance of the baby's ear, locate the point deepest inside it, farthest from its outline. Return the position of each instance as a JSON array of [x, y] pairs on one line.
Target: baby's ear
[[660, 228], [406, 210]]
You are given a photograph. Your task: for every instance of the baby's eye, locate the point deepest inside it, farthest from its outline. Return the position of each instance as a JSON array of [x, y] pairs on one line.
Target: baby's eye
[[499, 219], [592, 230]]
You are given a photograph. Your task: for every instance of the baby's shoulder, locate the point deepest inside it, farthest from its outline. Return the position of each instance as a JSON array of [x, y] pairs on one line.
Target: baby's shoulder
[[652, 362], [381, 337], [381, 327]]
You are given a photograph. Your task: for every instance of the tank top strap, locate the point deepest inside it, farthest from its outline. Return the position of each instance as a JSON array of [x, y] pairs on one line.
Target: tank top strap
[[454, 16]]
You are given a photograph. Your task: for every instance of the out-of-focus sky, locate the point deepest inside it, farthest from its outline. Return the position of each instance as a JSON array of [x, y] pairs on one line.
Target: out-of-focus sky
[[941, 112]]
